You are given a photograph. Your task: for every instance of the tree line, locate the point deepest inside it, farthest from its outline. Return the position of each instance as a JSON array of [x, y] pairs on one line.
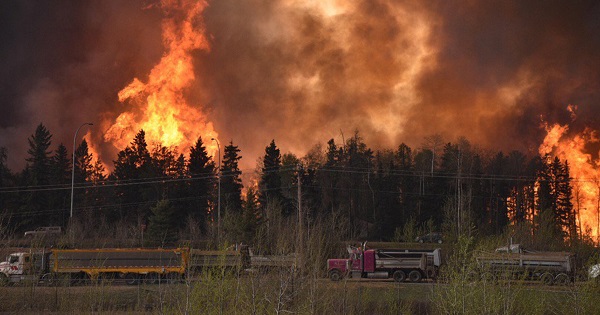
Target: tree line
[[389, 194]]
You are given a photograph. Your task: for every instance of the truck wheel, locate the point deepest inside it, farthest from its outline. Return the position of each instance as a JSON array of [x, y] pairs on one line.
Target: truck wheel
[[335, 275], [488, 277], [3, 280], [415, 276], [472, 276], [131, 279], [105, 278], [81, 278], [399, 276], [49, 280], [547, 278], [562, 279], [151, 278], [173, 277], [431, 273]]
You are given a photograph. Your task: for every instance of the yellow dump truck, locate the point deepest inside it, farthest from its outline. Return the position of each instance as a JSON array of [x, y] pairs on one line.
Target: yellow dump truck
[[73, 266]]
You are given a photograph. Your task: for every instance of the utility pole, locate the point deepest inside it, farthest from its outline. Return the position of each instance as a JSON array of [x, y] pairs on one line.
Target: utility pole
[[219, 192], [73, 167], [598, 217], [300, 221]]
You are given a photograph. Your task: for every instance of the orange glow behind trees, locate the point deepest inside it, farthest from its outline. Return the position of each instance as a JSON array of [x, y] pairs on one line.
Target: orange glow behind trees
[[583, 170]]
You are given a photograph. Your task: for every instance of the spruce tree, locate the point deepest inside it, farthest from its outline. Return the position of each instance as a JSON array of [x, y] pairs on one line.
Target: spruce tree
[[35, 206], [6, 180], [328, 178], [201, 170], [565, 206], [231, 182], [251, 218], [134, 164], [83, 163], [61, 176], [162, 227], [39, 156], [270, 178]]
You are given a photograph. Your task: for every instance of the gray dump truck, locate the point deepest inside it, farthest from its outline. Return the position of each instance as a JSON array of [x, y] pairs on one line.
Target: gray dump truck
[[515, 262], [413, 265]]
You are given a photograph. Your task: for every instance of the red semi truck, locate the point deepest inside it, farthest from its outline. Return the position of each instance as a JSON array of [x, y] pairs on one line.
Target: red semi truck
[[400, 264]]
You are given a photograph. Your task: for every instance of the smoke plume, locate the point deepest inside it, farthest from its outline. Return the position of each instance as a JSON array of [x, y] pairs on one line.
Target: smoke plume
[[302, 72]]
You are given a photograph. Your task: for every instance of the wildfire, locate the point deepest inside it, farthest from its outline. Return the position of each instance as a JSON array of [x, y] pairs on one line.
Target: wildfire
[[583, 169], [159, 106]]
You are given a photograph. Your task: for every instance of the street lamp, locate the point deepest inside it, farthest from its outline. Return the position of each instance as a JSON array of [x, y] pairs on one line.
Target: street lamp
[[73, 168], [219, 191]]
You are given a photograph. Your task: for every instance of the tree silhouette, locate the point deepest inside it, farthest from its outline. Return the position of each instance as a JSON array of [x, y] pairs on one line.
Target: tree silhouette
[[83, 163], [133, 164], [162, 227], [201, 170], [61, 175], [231, 182], [35, 207], [270, 189]]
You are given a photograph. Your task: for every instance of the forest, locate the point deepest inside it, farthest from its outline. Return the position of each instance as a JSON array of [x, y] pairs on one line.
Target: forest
[[165, 196]]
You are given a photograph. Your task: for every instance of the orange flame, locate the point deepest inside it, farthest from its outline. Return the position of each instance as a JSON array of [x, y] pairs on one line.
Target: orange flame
[[158, 106], [583, 170]]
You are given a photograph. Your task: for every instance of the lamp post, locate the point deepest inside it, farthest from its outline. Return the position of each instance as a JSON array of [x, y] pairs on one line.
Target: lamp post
[[219, 191], [73, 168]]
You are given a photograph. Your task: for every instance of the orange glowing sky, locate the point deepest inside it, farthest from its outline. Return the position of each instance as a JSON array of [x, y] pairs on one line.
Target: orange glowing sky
[[302, 72]]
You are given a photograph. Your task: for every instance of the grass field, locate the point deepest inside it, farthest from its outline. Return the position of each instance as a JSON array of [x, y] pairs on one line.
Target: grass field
[[280, 293]]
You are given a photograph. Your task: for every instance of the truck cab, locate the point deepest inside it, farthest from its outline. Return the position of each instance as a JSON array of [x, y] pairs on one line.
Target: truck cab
[[22, 266], [341, 267]]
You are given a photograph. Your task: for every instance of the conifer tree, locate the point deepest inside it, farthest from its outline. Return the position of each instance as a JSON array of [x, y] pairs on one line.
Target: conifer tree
[[83, 163], [562, 207], [35, 206], [201, 170], [357, 187], [231, 182], [39, 156], [328, 177], [6, 180], [565, 206], [83, 171], [4, 171], [251, 217], [61, 175], [270, 178], [98, 172], [133, 164], [162, 227]]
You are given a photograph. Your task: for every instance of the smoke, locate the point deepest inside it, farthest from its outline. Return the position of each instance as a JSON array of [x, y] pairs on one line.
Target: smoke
[[302, 72], [63, 63]]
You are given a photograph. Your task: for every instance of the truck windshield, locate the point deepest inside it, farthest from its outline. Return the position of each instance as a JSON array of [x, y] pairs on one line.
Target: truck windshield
[[13, 259]]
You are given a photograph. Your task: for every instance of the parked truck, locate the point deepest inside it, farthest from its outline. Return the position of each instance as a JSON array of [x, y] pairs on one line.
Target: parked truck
[[400, 264], [78, 265], [515, 262]]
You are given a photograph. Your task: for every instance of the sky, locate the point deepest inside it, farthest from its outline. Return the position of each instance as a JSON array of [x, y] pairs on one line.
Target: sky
[[299, 72]]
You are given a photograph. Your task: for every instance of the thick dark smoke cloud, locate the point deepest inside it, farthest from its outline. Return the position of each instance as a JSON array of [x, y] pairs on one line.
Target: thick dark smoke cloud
[[304, 72], [63, 63], [548, 51]]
